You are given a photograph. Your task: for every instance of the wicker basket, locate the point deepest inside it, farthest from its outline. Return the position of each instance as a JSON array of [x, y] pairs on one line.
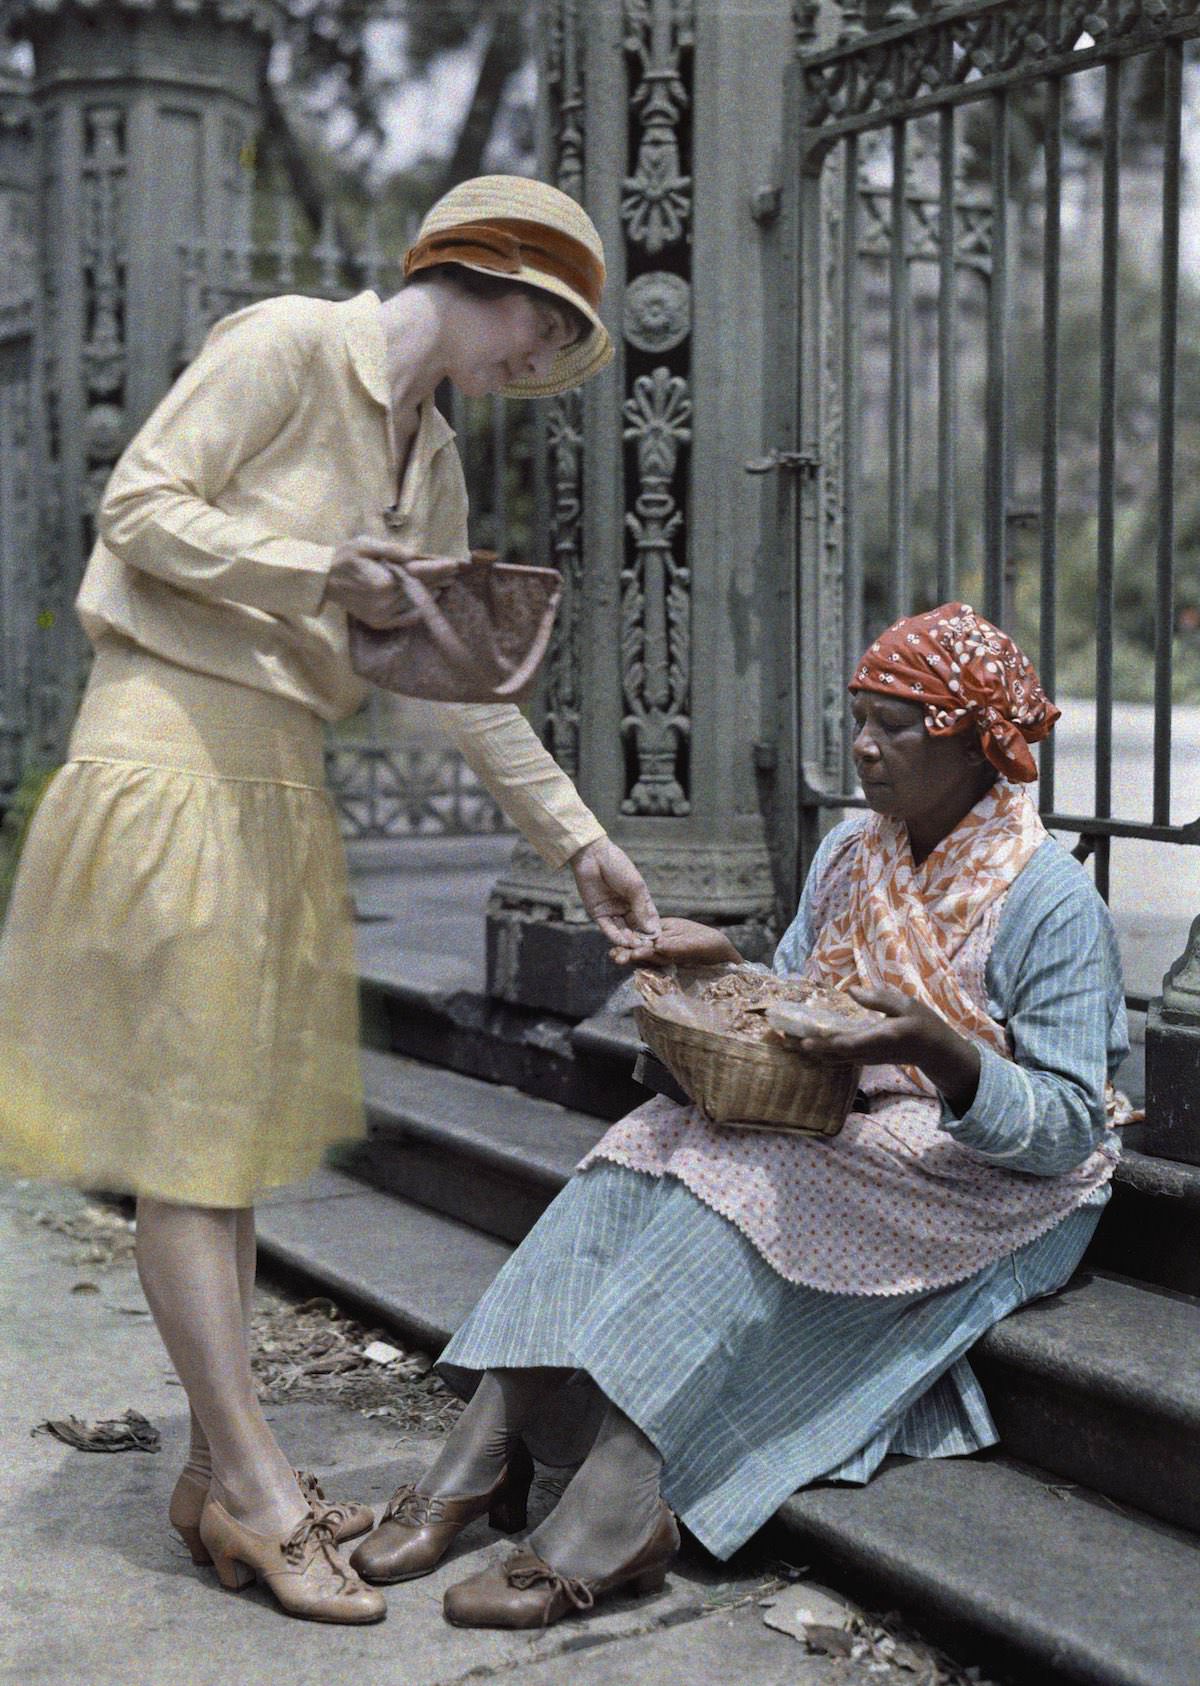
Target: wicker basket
[[763, 1084]]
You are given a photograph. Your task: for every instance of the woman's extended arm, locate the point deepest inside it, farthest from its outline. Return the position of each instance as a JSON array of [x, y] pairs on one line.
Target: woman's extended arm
[[509, 759]]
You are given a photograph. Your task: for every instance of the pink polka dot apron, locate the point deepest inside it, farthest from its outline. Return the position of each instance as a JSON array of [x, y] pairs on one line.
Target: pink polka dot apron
[[892, 1205]]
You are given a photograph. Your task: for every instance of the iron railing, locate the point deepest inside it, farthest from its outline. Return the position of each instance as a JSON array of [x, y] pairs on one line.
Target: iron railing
[[904, 207]]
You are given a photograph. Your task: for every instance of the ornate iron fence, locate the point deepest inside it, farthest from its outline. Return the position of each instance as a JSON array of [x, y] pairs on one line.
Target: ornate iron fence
[[923, 249]]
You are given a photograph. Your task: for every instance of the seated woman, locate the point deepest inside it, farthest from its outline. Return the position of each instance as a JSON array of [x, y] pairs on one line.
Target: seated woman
[[763, 1310]]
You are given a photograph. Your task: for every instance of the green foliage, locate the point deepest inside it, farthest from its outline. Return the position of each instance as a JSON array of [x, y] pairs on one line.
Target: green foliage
[[1135, 485], [15, 824]]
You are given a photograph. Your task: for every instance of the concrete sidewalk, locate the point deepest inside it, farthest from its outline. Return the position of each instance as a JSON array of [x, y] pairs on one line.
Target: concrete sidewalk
[[98, 1591]]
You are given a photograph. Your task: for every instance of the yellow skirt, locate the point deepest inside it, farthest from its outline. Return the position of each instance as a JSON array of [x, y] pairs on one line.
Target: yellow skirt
[[178, 1001]]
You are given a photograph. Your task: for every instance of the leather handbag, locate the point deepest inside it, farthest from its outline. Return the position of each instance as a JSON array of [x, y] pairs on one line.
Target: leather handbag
[[477, 632]]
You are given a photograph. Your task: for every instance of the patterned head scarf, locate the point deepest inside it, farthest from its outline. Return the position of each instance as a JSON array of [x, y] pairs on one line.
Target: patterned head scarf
[[966, 673]]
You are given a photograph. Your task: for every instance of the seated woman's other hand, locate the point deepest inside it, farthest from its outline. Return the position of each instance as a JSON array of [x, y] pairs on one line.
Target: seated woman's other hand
[[681, 942], [910, 1033]]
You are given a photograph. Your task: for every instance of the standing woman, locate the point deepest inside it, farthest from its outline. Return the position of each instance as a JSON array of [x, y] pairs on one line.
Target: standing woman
[[177, 978]]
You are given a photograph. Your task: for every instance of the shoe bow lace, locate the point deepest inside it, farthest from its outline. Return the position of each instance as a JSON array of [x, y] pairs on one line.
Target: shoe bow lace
[[528, 1570], [316, 1534], [311, 1487], [413, 1509]]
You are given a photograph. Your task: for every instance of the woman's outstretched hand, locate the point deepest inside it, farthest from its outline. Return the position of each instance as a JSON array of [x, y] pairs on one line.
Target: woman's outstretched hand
[[910, 1033], [615, 895], [366, 580], [681, 942]]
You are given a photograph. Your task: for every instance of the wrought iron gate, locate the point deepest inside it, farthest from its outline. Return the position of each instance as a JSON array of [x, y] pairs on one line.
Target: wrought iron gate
[[934, 176]]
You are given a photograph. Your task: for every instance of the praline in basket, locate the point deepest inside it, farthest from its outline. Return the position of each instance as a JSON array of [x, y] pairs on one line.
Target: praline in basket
[[735, 1079]]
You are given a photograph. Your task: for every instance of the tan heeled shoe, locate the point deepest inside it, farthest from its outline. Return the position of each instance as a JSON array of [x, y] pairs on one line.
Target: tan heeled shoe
[[191, 1490], [526, 1592], [302, 1569], [418, 1529]]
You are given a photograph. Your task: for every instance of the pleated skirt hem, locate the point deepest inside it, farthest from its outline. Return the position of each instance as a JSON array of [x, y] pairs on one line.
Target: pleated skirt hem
[[178, 993]]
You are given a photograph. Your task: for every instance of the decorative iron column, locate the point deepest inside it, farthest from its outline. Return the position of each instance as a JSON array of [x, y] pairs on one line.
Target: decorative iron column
[[145, 115], [664, 118]]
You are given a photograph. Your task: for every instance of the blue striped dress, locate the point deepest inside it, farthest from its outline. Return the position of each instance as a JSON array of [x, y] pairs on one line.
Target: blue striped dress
[[751, 1386]]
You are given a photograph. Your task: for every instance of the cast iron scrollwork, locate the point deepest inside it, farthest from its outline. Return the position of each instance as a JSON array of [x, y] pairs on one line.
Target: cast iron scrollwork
[[656, 598]]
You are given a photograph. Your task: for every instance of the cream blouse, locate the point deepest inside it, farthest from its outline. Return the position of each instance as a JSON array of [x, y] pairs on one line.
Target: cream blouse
[[219, 524]]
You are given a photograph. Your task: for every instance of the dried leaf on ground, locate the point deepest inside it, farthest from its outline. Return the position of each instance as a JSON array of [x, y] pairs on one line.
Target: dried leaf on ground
[[128, 1433], [803, 1605], [881, 1647], [308, 1350], [828, 1641], [102, 1235]]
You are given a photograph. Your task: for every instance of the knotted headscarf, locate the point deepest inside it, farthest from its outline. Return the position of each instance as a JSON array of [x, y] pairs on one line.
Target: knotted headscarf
[[966, 673]]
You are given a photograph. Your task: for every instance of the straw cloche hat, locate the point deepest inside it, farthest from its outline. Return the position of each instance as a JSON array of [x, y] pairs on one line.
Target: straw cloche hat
[[524, 230]]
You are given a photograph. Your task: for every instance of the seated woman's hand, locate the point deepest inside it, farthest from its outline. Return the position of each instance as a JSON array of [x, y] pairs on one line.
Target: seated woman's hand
[[910, 1033], [681, 942]]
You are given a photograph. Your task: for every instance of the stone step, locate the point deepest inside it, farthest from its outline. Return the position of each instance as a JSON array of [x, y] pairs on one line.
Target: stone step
[[1048, 1583], [1101, 1384], [1010, 1562], [386, 1260], [483, 1153], [1151, 1227], [433, 1007]]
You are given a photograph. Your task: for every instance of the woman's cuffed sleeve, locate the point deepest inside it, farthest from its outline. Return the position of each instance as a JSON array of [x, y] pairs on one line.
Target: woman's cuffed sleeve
[[1043, 1111], [507, 756], [160, 513]]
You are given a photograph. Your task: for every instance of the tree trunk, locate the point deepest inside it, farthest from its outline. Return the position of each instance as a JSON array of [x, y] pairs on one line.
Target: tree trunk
[[304, 183], [503, 55]]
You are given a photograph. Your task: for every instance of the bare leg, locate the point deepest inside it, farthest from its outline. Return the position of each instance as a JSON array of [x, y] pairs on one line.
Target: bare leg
[[188, 1260], [476, 1449], [199, 1458], [610, 1506]]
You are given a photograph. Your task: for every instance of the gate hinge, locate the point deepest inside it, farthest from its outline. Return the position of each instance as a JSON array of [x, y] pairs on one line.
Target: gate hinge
[[800, 462]]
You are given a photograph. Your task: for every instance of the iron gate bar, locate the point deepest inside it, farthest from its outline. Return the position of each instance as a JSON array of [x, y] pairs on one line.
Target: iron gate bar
[[995, 497], [900, 381], [806, 493], [1086, 826], [947, 354], [852, 468], [1164, 617], [499, 439], [850, 88], [1051, 305], [1110, 230]]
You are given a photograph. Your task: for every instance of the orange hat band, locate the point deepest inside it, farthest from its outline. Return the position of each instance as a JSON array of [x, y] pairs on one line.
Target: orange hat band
[[507, 245]]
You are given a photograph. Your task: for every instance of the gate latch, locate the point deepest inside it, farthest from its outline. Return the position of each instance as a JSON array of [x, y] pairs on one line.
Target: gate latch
[[797, 462]]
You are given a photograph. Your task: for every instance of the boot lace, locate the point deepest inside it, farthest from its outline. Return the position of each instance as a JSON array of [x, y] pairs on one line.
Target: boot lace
[[315, 1537], [527, 1570], [311, 1487], [414, 1509]]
